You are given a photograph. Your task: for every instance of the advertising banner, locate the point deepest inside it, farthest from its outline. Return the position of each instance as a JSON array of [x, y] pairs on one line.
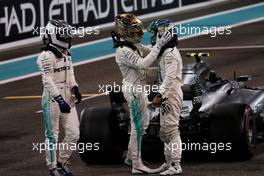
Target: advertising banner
[[19, 18]]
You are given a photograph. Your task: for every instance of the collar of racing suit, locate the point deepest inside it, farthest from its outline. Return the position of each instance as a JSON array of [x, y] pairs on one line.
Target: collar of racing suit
[[119, 42], [127, 44], [171, 44], [56, 51]]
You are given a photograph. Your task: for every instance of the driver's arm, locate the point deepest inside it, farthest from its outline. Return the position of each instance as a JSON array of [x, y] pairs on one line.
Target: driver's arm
[[132, 59], [145, 50], [46, 65]]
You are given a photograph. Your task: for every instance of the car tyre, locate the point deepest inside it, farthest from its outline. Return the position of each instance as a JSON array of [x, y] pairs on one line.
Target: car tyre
[[98, 129], [234, 124]]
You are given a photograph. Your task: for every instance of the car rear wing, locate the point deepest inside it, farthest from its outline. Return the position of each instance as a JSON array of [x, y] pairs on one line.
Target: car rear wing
[[198, 56]]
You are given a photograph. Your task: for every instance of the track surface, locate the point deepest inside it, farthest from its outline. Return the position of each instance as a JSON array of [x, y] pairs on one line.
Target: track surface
[[20, 126]]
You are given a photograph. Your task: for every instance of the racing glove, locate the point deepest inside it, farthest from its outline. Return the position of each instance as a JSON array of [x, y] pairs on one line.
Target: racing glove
[[64, 107], [77, 94], [165, 38], [155, 98], [165, 108]]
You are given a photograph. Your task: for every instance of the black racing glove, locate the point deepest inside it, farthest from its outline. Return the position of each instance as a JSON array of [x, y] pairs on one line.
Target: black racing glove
[[77, 94], [64, 107], [153, 94], [165, 108]]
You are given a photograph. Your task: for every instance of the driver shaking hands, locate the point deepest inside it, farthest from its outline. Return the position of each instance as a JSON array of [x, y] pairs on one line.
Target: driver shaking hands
[[169, 97]]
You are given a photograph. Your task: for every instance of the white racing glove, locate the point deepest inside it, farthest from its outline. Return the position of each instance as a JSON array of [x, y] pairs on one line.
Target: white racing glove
[[165, 38]]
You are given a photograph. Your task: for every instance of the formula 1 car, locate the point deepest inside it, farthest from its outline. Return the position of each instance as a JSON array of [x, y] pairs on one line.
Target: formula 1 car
[[218, 116]]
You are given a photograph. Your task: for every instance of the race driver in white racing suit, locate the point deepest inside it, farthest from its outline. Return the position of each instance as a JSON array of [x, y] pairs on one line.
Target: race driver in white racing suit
[[169, 98], [133, 59], [58, 103]]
